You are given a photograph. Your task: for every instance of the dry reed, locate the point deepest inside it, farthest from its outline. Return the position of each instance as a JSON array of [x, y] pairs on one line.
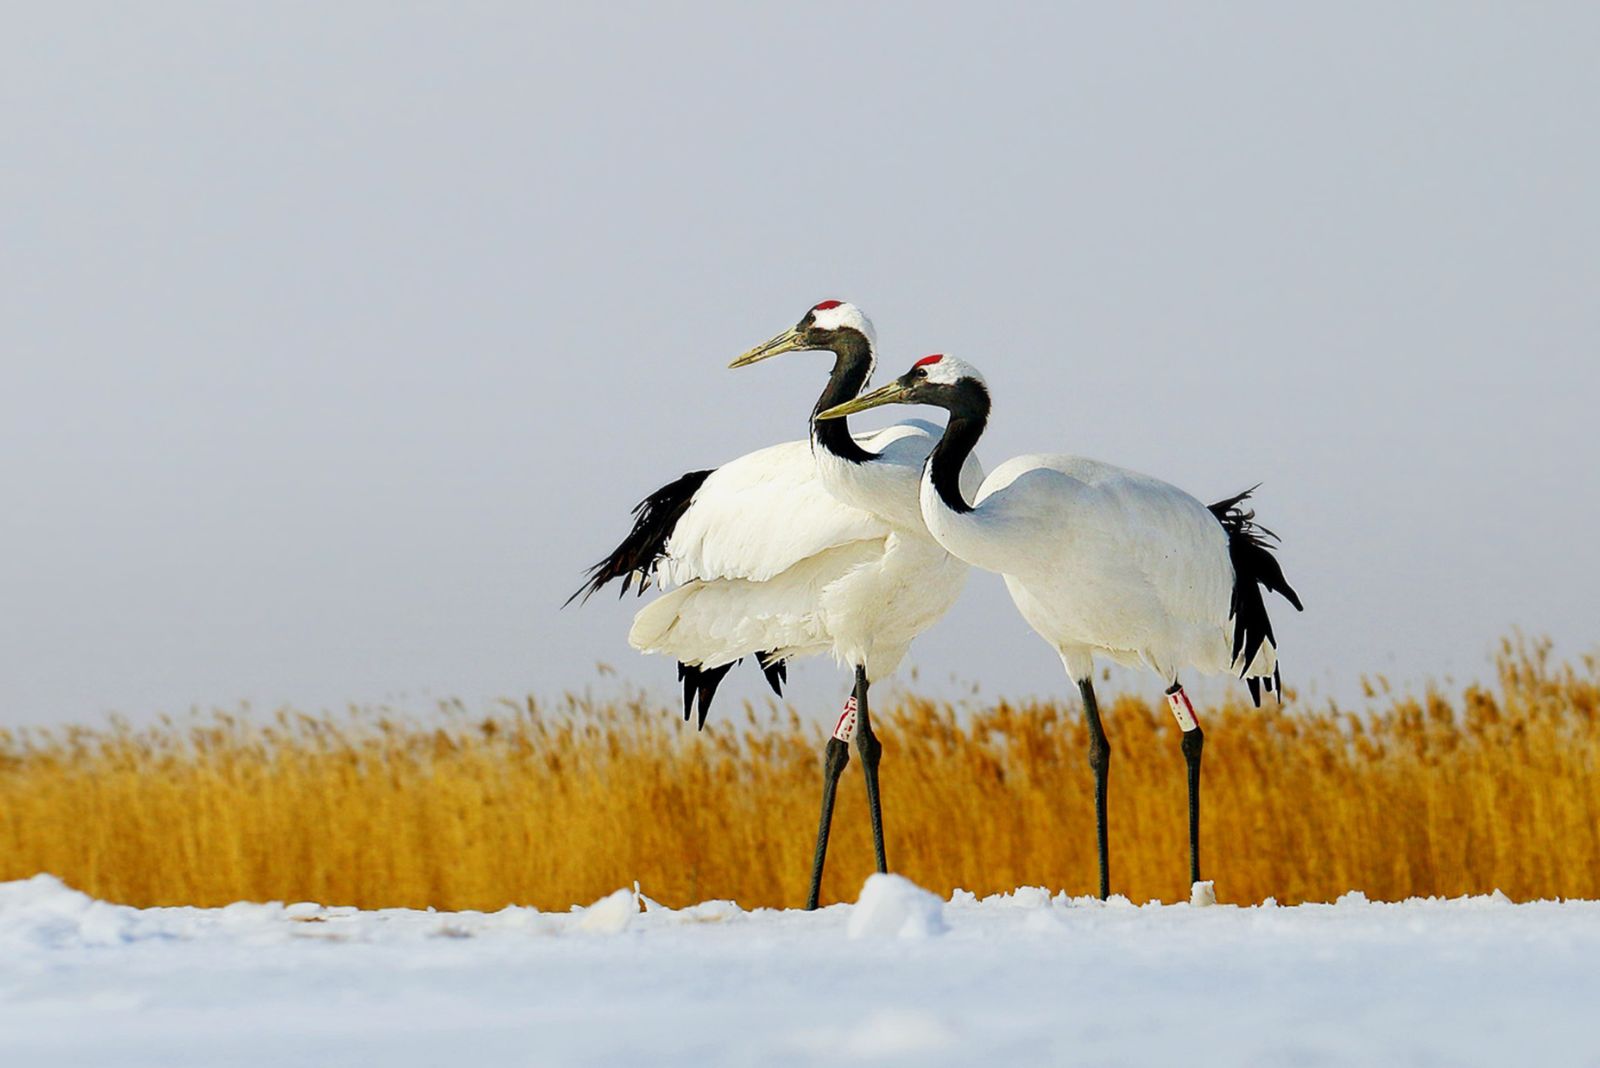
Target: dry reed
[[555, 806]]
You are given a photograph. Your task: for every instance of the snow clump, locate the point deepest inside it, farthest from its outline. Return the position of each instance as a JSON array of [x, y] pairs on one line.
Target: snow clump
[[892, 906], [611, 914]]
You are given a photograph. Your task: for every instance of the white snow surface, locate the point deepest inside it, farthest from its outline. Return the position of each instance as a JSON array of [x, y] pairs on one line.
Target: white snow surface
[[1025, 977]]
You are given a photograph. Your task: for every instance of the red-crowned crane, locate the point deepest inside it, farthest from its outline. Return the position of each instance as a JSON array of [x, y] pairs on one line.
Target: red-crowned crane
[[801, 548], [1101, 561]]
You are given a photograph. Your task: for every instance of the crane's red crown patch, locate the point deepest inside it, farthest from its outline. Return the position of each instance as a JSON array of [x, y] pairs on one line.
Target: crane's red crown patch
[[926, 360], [828, 305]]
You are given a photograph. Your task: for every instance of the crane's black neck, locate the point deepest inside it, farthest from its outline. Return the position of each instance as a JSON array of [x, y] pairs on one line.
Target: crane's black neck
[[969, 414], [852, 366]]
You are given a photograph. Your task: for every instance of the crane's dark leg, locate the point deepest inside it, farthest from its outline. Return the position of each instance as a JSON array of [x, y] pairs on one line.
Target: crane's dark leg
[[871, 750], [1100, 764], [1194, 741], [834, 759]]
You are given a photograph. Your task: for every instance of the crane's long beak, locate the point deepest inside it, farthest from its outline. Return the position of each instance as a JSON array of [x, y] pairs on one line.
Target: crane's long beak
[[788, 341], [893, 393]]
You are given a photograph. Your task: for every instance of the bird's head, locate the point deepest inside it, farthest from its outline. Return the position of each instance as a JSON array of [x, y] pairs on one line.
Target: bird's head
[[834, 325], [939, 380]]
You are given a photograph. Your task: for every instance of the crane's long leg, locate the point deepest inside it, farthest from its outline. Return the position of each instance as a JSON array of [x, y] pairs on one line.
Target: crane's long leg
[[871, 750], [834, 760], [1100, 764], [1194, 741]]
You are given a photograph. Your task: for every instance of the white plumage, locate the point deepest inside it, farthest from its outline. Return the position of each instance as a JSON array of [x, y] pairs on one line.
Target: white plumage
[[767, 560], [1103, 560]]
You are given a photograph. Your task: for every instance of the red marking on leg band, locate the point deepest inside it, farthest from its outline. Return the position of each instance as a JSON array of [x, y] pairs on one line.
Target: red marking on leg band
[[846, 727], [1183, 711]]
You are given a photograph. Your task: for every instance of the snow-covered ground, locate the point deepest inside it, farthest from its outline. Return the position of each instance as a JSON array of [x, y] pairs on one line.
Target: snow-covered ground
[[899, 977]]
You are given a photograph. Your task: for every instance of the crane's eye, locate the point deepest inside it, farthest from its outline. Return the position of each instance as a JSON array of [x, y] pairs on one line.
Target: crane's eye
[[919, 372]]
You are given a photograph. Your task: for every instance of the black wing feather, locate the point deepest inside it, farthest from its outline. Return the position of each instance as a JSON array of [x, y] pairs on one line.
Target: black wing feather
[[654, 519], [1254, 569]]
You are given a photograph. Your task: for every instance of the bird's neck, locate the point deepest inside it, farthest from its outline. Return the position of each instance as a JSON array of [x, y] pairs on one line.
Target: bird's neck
[[852, 366], [961, 436]]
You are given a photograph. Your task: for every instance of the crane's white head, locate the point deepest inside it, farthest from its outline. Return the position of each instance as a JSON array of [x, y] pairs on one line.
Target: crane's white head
[[835, 326], [938, 380], [833, 315], [942, 370]]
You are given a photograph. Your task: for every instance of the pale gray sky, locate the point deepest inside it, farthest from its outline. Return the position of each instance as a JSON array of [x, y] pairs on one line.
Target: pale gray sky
[[339, 338]]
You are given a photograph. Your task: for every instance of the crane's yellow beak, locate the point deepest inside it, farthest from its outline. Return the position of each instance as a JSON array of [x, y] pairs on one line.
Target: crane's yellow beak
[[893, 393], [788, 341]]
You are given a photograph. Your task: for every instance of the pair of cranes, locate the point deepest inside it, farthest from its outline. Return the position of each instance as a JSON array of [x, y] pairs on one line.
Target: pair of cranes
[[854, 544]]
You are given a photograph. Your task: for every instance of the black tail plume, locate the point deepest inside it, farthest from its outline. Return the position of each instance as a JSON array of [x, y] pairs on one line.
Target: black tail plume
[[776, 671], [654, 518], [1254, 569], [699, 687], [700, 684]]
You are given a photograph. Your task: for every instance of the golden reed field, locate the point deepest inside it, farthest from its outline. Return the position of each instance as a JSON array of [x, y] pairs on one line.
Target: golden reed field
[[556, 804]]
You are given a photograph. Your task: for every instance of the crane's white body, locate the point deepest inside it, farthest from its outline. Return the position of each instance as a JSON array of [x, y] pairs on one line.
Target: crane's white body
[[792, 551], [1101, 560]]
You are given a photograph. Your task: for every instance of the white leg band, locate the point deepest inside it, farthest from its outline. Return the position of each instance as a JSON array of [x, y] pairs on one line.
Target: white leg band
[[1182, 711], [846, 728]]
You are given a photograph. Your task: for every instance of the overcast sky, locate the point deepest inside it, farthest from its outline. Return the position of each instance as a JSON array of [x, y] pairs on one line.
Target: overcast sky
[[339, 338]]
